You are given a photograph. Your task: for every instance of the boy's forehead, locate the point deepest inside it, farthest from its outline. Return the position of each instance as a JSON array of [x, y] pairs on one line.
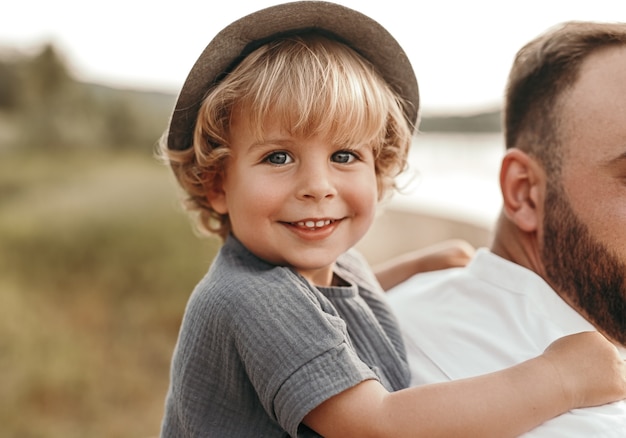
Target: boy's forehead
[[271, 127]]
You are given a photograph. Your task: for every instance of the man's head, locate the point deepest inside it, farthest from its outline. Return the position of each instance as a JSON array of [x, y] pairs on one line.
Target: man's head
[[564, 175]]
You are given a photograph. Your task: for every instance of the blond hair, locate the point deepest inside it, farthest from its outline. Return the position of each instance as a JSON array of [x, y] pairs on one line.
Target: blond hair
[[310, 84]]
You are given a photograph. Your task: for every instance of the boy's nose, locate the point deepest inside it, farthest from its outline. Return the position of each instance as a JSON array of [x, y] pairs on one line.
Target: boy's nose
[[316, 184]]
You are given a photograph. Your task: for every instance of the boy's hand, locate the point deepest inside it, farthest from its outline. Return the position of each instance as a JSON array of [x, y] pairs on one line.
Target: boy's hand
[[447, 254], [589, 368]]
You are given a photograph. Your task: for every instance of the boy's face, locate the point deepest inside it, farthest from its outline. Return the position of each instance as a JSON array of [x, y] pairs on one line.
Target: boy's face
[[298, 202]]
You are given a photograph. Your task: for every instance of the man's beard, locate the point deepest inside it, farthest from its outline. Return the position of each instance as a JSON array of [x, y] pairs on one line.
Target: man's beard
[[582, 269]]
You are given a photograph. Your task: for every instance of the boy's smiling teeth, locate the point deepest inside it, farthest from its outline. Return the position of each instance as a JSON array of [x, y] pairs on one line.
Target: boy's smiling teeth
[[314, 224]]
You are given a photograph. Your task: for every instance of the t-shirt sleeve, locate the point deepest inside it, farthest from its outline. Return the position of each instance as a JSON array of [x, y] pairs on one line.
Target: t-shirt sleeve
[[295, 354]]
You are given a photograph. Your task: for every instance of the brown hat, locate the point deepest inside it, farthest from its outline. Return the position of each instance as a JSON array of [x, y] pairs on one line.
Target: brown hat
[[243, 36]]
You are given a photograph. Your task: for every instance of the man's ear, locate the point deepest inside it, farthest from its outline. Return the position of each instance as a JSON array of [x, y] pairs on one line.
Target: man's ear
[[216, 195], [522, 182]]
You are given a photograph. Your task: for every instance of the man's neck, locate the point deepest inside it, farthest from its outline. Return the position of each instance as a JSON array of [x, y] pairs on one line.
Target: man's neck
[[621, 348]]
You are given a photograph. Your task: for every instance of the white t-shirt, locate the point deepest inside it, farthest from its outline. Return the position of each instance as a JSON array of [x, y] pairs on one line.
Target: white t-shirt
[[490, 315]]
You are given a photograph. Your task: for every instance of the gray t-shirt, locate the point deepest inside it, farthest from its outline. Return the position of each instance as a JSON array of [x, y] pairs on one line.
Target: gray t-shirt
[[259, 347]]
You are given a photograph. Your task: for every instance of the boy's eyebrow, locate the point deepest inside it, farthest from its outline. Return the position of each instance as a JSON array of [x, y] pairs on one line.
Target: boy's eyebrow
[[271, 141]]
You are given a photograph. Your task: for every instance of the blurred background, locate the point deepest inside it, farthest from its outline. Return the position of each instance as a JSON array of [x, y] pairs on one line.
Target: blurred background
[[97, 258]]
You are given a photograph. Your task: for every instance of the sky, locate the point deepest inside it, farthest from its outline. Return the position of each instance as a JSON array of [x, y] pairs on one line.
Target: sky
[[461, 50]]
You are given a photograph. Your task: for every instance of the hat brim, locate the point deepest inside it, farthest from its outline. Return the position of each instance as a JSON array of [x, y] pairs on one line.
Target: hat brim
[[370, 39]]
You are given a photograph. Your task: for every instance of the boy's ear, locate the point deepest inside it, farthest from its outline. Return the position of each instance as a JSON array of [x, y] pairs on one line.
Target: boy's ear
[[522, 182], [216, 196]]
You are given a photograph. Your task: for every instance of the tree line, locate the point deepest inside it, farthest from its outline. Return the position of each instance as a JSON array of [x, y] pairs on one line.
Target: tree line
[[43, 107]]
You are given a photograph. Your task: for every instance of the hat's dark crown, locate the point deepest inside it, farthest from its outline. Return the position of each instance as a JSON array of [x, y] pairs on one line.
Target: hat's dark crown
[[241, 37]]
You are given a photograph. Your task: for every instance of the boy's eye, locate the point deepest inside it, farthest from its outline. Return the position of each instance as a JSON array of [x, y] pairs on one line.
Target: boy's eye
[[278, 158], [344, 157]]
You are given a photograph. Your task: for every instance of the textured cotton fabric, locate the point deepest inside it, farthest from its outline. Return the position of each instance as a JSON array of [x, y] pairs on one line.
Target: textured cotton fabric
[[491, 315], [259, 347]]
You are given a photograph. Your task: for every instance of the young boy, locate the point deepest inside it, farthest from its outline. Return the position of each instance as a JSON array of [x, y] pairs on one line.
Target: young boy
[[289, 129]]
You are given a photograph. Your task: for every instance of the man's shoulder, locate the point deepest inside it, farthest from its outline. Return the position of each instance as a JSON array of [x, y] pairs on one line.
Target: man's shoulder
[[421, 286]]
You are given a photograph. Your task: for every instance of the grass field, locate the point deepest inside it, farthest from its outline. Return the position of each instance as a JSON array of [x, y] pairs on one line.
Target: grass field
[[96, 264]]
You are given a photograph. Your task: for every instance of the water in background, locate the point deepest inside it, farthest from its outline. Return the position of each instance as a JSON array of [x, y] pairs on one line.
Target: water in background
[[454, 176]]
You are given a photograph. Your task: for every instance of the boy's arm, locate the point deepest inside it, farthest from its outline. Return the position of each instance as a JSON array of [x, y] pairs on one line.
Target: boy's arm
[[575, 371], [447, 254]]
